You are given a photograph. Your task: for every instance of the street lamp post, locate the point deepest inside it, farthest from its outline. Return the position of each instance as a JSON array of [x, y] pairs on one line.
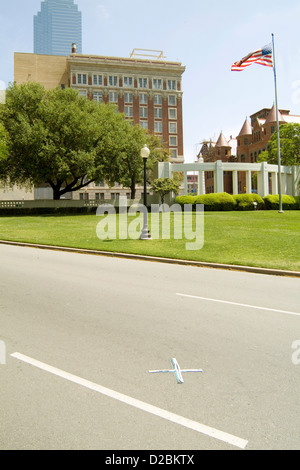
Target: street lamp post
[[145, 235]]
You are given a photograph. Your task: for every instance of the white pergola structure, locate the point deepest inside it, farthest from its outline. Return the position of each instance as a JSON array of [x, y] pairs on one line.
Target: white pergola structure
[[290, 176]]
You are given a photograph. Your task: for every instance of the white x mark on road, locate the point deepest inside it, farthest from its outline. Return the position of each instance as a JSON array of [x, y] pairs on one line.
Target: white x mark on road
[[177, 371]]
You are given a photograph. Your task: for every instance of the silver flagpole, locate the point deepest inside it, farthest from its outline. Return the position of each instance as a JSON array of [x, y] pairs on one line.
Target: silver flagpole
[[278, 132]]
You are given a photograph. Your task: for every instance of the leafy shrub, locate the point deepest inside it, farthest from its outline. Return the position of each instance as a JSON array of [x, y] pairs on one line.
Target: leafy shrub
[[185, 200], [288, 202], [212, 202], [216, 201], [245, 202]]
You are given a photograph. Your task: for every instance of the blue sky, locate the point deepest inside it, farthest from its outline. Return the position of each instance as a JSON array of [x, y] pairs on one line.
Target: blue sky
[[206, 37]]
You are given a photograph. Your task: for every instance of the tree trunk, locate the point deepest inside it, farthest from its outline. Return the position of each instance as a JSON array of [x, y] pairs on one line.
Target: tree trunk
[[56, 194], [132, 189]]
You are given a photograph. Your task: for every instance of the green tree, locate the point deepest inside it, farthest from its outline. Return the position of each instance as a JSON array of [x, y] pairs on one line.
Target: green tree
[[3, 142], [130, 170], [289, 146], [164, 186], [3, 153], [59, 138]]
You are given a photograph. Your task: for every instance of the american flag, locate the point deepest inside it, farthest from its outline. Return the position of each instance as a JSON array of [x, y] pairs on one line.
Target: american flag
[[262, 56]]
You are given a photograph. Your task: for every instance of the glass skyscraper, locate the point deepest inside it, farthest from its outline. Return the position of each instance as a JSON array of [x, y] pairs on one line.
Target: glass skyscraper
[[56, 27]]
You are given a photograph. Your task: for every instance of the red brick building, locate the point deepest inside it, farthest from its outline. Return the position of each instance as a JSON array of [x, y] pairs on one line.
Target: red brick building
[[220, 150], [251, 141], [256, 133], [144, 86], [148, 91]]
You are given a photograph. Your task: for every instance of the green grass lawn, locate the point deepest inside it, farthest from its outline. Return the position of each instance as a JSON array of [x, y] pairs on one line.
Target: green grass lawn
[[257, 238]]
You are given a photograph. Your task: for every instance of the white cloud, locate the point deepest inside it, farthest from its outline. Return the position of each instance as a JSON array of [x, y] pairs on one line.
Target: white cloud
[[2, 85]]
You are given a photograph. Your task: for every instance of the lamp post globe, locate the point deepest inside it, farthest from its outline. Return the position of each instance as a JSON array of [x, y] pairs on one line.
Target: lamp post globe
[[145, 152], [145, 235]]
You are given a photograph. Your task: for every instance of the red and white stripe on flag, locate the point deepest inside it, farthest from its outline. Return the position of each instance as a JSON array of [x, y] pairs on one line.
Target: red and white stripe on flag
[[261, 56]]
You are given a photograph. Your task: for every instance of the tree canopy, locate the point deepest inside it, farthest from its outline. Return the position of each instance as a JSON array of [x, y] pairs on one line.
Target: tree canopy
[[130, 164], [164, 186], [289, 146], [3, 142], [64, 140]]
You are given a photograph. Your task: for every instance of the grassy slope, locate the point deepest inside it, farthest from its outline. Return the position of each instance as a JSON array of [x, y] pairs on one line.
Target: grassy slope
[[262, 238]]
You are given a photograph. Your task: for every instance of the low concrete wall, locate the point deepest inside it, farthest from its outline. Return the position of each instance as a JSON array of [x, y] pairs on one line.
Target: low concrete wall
[[67, 203]]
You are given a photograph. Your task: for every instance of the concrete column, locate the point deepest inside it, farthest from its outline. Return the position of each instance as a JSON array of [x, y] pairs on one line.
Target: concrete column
[[185, 184], [162, 170], [295, 181], [263, 180], [218, 177], [201, 182], [274, 177], [284, 182], [235, 182], [248, 182]]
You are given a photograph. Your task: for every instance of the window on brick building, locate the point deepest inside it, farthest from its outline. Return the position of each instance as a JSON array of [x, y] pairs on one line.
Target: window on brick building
[[143, 112], [158, 127], [157, 99], [143, 82], [172, 100], [157, 113], [157, 83], [98, 96], [172, 113], [82, 79], [128, 110], [128, 82], [113, 80], [173, 141], [98, 80], [113, 97], [128, 97], [172, 127], [143, 98], [144, 124], [171, 85]]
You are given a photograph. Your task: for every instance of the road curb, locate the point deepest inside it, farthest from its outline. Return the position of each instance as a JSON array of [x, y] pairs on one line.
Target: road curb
[[200, 264]]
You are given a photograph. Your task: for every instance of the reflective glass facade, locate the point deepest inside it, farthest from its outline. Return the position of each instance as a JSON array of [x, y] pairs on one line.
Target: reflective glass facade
[[56, 27]]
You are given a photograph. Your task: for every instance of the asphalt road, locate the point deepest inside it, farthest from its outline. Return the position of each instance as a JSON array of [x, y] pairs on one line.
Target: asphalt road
[[97, 325]]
